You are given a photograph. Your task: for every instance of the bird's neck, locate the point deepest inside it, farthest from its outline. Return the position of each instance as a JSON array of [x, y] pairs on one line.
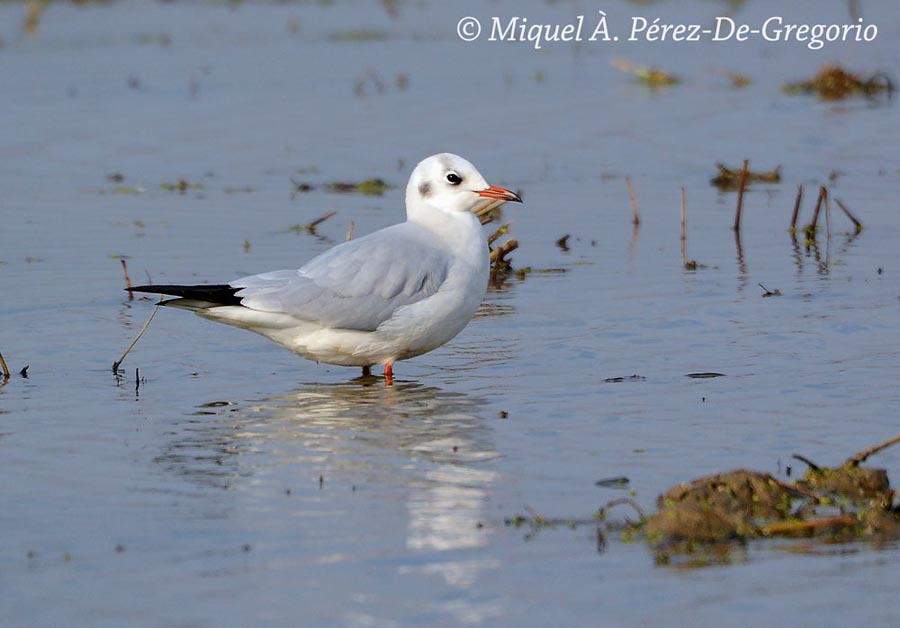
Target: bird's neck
[[460, 230]]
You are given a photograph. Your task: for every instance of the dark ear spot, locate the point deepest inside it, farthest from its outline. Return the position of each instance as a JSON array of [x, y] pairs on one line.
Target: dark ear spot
[[425, 189]]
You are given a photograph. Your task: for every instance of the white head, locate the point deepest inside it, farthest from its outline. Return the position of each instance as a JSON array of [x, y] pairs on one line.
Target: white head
[[448, 183]]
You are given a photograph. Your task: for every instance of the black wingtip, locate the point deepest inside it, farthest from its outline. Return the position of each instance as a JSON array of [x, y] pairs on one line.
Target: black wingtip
[[220, 294]]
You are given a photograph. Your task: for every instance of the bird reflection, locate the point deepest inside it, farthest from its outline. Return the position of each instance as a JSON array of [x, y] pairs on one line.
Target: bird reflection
[[428, 447]]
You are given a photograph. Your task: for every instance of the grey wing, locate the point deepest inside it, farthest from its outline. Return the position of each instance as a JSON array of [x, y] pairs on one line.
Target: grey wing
[[357, 284]]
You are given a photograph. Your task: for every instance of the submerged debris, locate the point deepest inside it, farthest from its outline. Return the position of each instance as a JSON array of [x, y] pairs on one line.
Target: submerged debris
[[729, 179], [832, 82]]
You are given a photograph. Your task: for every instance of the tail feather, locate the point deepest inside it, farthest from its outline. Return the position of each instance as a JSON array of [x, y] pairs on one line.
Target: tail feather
[[215, 294]]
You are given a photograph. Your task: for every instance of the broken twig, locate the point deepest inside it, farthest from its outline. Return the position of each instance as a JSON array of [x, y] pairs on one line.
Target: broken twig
[[861, 456]]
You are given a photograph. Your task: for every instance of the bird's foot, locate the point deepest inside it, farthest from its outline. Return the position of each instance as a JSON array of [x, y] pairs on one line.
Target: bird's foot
[[388, 374]]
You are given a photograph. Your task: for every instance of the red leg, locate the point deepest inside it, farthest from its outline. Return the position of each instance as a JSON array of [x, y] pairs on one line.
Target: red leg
[[388, 374]]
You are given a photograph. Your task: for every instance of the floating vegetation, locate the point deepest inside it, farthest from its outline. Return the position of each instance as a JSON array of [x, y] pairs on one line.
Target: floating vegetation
[[299, 186], [729, 179], [127, 190], [704, 375], [738, 80], [630, 378], [245, 189], [651, 77], [770, 293], [698, 523], [359, 35], [369, 187], [832, 82], [181, 186], [616, 482]]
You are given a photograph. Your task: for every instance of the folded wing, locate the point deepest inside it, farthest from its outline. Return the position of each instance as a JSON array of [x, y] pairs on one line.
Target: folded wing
[[356, 285]]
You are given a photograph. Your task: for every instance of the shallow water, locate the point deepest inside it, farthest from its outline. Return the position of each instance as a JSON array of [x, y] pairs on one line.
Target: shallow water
[[240, 485]]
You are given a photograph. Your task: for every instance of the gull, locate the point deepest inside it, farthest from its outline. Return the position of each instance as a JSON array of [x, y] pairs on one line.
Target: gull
[[391, 295]]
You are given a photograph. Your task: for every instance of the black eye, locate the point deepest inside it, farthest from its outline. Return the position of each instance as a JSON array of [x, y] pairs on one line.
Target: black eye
[[454, 178]]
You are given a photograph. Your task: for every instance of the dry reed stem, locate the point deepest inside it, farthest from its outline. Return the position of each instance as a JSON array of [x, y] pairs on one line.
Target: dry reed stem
[[118, 362], [797, 203], [312, 226], [683, 226], [634, 204], [856, 223], [350, 231], [789, 527], [811, 227], [4, 367], [740, 198], [483, 209], [127, 280]]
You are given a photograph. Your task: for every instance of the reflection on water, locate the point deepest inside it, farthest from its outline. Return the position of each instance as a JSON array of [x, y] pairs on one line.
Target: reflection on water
[[427, 448]]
